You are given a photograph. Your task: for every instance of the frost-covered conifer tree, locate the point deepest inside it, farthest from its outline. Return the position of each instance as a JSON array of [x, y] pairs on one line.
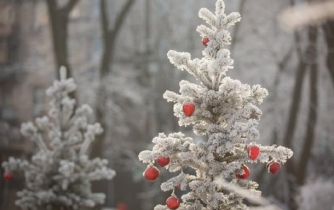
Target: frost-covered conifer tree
[[225, 111], [59, 175]]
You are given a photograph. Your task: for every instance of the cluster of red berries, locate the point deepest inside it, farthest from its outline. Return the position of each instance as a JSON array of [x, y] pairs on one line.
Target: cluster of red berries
[[253, 152], [152, 173]]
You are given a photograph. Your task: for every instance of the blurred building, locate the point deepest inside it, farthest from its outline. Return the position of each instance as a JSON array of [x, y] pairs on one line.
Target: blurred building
[[21, 89]]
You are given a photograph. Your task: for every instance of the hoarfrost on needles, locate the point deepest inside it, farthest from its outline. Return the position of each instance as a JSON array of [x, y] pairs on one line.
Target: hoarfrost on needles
[[59, 175], [225, 110]]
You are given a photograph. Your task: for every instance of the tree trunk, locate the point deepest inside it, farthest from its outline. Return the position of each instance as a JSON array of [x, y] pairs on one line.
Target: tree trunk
[[294, 110], [312, 116], [59, 36], [109, 38], [59, 18], [109, 43], [329, 37]]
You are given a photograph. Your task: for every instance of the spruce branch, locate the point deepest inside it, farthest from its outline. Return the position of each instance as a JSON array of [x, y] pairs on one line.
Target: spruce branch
[[226, 111], [59, 174]]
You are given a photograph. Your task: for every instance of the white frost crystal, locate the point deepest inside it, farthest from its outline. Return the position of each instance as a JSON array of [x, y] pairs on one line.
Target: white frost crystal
[[59, 175], [226, 112]]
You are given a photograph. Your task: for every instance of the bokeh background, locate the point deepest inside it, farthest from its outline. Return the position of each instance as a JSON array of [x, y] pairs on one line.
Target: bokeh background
[[116, 52]]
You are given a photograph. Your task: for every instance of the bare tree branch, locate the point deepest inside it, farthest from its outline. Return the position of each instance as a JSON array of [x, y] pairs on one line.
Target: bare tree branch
[[294, 108], [110, 36], [312, 117], [104, 19], [59, 18], [121, 17], [329, 37], [109, 42], [71, 4]]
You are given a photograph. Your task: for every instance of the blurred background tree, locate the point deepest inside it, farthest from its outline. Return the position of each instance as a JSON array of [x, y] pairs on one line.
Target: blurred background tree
[[116, 51]]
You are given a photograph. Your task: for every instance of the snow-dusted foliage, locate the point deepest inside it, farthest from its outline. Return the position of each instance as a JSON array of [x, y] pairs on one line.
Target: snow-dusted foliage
[[317, 195], [59, 175], [225, 111]]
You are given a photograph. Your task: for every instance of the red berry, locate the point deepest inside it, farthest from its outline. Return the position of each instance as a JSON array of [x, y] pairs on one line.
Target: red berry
[[151, 173], [173, 202], [188, 109], [253, 151], [163, 161], [8, 176], [122, 206], [178, 186], [205, 41], [245, 174], [273, 167]]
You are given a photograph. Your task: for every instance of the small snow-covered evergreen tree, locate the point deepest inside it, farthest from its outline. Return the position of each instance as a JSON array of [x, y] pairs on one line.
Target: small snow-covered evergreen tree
[[225, 111], [59, 175]]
